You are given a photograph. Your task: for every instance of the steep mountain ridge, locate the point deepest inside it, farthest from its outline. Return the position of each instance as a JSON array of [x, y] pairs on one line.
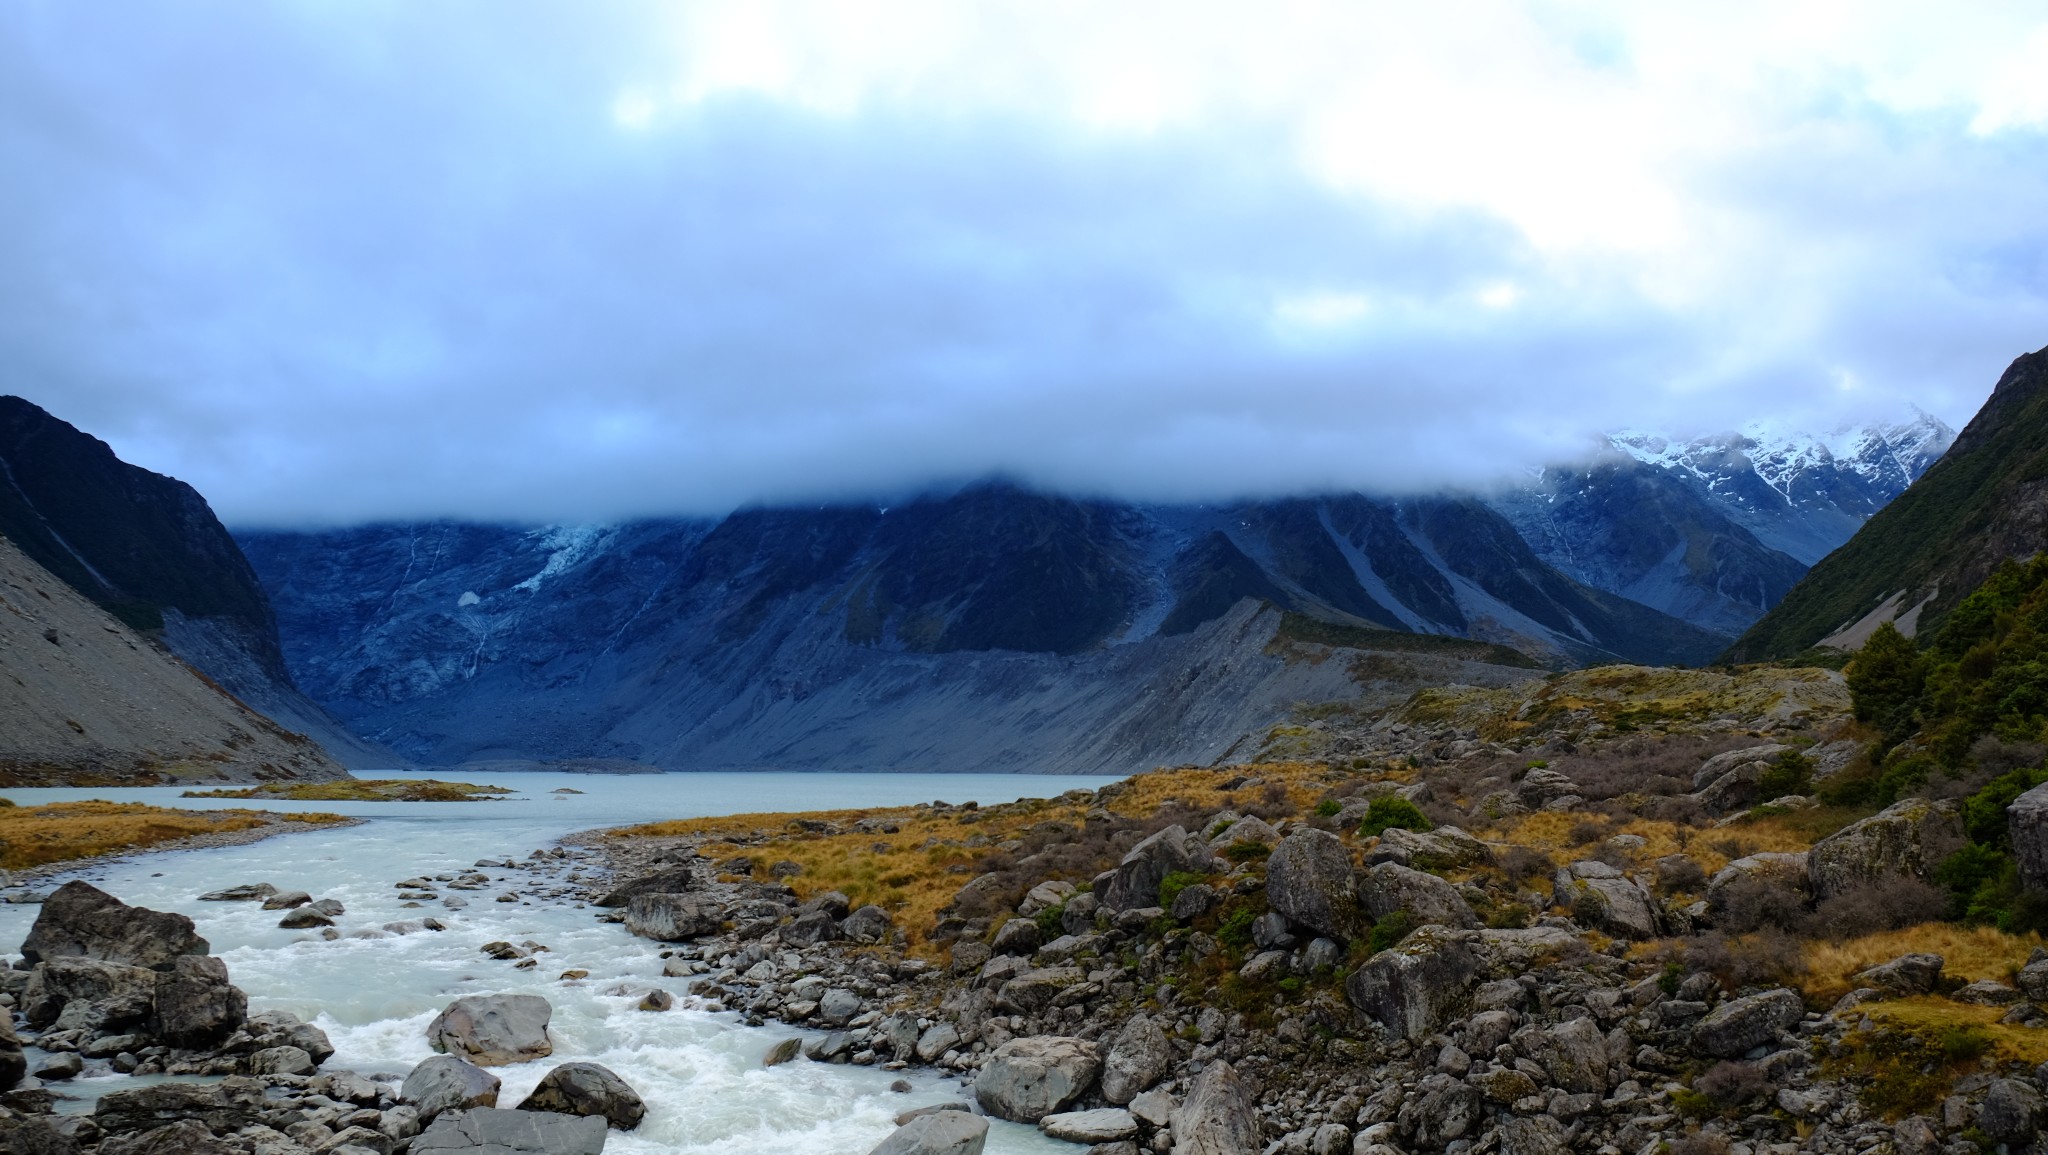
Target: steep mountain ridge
[[148, 549], [1984, 501], [89, 700]]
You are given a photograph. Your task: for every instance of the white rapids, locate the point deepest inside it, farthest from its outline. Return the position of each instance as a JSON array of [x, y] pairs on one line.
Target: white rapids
[[699, 1071]]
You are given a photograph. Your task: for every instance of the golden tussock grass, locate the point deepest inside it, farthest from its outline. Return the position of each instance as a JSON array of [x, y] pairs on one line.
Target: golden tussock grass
[[1967, 952], [1932, 1013], [64, 831], [912, 873], [361, 790]]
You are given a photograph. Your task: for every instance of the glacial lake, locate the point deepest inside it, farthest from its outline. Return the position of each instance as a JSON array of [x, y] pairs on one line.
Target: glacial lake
[[699, 1071]]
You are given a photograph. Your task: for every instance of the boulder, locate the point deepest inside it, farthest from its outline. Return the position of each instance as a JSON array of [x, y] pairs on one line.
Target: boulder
[[1722, 763], [1140, 1056], [1413, 988], [221, 1107], [195, 1006], [108, 995], [868, 924], [1101, 1125], [286, 900], [1909, 974], [1309, 879], [675, 880], [1045, 896], [1219, 1116], [1738, 1025], [1534, 1135], [247, 892], [1024, 1080], [1603, 898], [1906, 840], [2033, 977], [837, 1006], [284, 1029], [1445, 848], [811, 928], [2027, 819], [305, 918], [495, 1131], [2012, 1113], [1135, 882], [1034, 990], [36, 1135], [936, 1040], [13, 1063], [587, 1089], [1738, 789], [1573, 1054], [1388, 887], [1249, 829], [938, 1133], [1441, 1110], [282, 1061], [79, 920], [1017, 936], [493, 1030], [184, 1137], [1770, 868], [672, 917]]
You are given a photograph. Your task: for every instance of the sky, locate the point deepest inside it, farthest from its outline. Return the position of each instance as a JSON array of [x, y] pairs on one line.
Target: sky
[[335, 262]]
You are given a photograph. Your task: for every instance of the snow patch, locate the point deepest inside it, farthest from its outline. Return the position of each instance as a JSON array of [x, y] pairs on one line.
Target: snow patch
[[468, 598], [568, 545]]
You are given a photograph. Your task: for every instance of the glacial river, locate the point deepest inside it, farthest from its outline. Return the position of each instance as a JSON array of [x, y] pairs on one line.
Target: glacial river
[[699, 1071]]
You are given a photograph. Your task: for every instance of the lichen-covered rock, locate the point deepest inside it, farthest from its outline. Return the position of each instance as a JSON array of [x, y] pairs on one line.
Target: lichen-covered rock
[[1017, 936], [1414, 988], [1101, 1125], [1389, 887], [938, 1133], [1027, 1079], [672, 917], [1444, 848], [1737, 1025], [1573, 1054], [1720, 764], [675, 880], [1738, 789], [1034, 990], [1603, 898], [448, 1083], [1773, 869], [1906, 840], [1248, 829], [810, 928], [868, 924], [1534, 1135], [1051, 893], [1140, 1057], [1442, 1110], [79, 920], [1309, 879], [2027, 819], [493, 1030], [1135, 882], [587, 1089], [1219, 1116], [1909, 974], [2012, 1113]]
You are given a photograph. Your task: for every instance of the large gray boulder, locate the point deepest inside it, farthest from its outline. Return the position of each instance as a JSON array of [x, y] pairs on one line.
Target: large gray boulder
[[1908, 974], [495, 1131], [1722, 763], [1573, 1054], [1442, 1110], [1445, 848], [79, 920], [1140, 1057], [1738, 1025], [1771, 869], [448, 1083], [13, 1064], [194, 1005], [1027, 1079], [106, 995], [1309, 879], [2013, 1112], [2027, 818], [1389, 887], [938, 1133], [1906, 840], [675, 880], [493, 1030], [672, 917], [1219, 1116], [1099, 1126], [587, 1089], [284, 1029], [1135, 882], [1607, 900], [1414, 988]]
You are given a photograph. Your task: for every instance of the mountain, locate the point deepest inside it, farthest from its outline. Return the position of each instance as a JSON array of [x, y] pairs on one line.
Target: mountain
[[993, 628], [90, 701], [1984, 501], [148, 550], [1717, 529]]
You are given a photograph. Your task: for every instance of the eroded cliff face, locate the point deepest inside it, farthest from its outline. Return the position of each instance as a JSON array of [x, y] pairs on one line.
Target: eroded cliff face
[[88, 700]]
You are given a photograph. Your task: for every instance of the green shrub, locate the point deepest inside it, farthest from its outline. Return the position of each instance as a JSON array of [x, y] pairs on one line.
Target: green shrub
[[1246, 851], [1984, 811], [1235, 931], [1048, 920], [1390, 811], [1885, 681], [1327, 808], [1389, 931], [1792, 773]]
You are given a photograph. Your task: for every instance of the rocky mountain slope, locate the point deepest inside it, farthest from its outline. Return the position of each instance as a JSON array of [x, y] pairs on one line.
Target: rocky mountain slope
[[1984, 502], [87, 699], [991, 628], [149, 550]]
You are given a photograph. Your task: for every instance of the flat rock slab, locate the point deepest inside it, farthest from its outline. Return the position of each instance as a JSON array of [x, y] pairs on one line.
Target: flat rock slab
[[493, 1030], [1103, 1125], [939, 1133], [496, 1131]]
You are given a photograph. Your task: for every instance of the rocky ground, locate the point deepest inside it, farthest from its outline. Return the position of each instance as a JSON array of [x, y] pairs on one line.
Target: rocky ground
[[1239, 961]]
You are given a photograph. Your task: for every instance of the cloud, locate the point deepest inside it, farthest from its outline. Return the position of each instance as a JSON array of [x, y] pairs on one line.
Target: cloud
[[331, 263]]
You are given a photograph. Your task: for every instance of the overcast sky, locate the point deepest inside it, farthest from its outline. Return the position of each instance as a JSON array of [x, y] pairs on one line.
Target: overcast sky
[[339, 261]]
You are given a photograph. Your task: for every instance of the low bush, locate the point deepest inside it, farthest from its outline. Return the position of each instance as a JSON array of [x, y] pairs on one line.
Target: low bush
[[1390, 811], [1389, 931]]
